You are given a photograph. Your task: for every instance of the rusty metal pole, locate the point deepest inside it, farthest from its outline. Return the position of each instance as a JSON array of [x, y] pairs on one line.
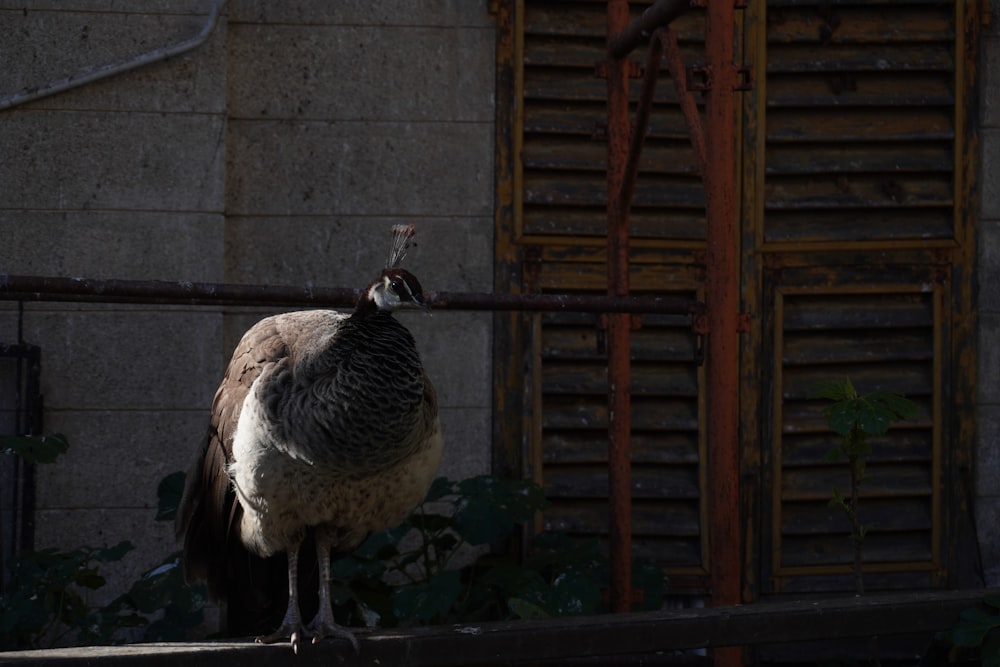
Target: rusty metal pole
[[722, 300], [618, 338], [48, 288]]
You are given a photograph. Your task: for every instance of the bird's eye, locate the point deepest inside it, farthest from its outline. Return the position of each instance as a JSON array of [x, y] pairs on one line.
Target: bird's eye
[[397, 285]]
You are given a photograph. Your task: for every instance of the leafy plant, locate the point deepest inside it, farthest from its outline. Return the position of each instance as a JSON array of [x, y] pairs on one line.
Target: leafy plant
[[398, 580], [978, 627], [452, 560], [34, 448], [855, 417], [166, 605], [44, 603]]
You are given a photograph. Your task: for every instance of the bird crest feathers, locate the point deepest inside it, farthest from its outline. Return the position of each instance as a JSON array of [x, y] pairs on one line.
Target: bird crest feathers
[[401, 235]]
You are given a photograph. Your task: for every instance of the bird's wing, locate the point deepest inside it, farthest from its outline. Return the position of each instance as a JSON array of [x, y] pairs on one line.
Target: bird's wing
[[208, 516]]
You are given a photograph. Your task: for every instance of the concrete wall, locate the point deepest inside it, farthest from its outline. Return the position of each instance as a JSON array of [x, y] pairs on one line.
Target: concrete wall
[[279, 152], [125, 178], [988, 419]]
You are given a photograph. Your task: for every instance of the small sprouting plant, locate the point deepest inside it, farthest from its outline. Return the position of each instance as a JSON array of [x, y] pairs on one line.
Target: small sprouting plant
[[856, 417]]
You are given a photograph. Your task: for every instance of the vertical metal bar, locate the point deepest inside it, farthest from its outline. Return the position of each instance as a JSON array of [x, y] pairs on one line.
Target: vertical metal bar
[[642, 112], [722, 298], [619, 366], [672, 54]]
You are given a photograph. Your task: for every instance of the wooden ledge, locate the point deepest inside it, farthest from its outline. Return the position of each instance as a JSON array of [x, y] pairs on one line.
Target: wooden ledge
[[646, 638]]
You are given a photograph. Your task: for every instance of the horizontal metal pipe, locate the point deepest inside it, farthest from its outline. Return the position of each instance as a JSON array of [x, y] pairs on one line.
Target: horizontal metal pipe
[[657, 15], [46, 288]]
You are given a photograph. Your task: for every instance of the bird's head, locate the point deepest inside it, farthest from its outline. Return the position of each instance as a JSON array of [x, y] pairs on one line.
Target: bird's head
[[396, 287]]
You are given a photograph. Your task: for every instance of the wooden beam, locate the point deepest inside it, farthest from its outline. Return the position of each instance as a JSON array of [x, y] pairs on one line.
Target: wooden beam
[[627, 638]]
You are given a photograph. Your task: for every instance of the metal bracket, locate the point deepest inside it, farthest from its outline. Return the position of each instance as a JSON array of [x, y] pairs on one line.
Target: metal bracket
[[702, 83], [699, 324], [699, 79], [745, 79]]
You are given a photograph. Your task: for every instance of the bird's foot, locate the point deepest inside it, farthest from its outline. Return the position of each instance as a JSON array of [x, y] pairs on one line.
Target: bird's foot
[[321, 628], [293, 632]]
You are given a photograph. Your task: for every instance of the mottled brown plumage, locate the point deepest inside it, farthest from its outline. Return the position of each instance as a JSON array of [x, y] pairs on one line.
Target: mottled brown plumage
[[324, 429]]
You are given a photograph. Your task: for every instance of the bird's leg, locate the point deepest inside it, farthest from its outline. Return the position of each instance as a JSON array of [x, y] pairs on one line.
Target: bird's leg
[[323, 624], [291, 626]]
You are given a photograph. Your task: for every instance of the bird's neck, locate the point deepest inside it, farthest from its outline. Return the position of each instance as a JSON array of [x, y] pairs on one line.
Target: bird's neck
[[366, 308]]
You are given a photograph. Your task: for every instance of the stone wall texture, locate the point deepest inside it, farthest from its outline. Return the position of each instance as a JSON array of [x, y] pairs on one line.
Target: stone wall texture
[[988, 378], [279, 152]]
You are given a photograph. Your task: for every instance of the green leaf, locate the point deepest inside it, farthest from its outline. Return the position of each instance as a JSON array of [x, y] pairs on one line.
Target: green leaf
[[990, 650], [573, 594], [489, 507], [894, 404], [526, 610], [112, 554], [834, 390], [653, 582], [382, 546], [427, 600], [35, 448], [973, 626], [430, 522], [834, 454], [169, 493], [841, 417], [837, 500], [351, 567], [90, 579], [872, 419], [440, 488]]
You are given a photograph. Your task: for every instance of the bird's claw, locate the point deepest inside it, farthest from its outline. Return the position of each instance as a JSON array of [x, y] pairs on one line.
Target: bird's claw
[[291, 632], [320, 630]]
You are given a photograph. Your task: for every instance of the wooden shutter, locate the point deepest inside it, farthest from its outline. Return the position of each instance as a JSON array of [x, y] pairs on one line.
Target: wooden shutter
[[562, 154], [885, 339], [856, 183], [569, 445], [554, 236], [857, 162], [860, 121]]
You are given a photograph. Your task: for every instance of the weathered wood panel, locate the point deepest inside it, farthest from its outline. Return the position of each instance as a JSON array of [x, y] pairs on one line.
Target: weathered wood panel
[[883, 340], [571, 371], [561, 130], [620, 639], [853, 146]]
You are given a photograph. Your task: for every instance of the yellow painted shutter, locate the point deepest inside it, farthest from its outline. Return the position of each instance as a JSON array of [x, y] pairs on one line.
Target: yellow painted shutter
[[856, 153]]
